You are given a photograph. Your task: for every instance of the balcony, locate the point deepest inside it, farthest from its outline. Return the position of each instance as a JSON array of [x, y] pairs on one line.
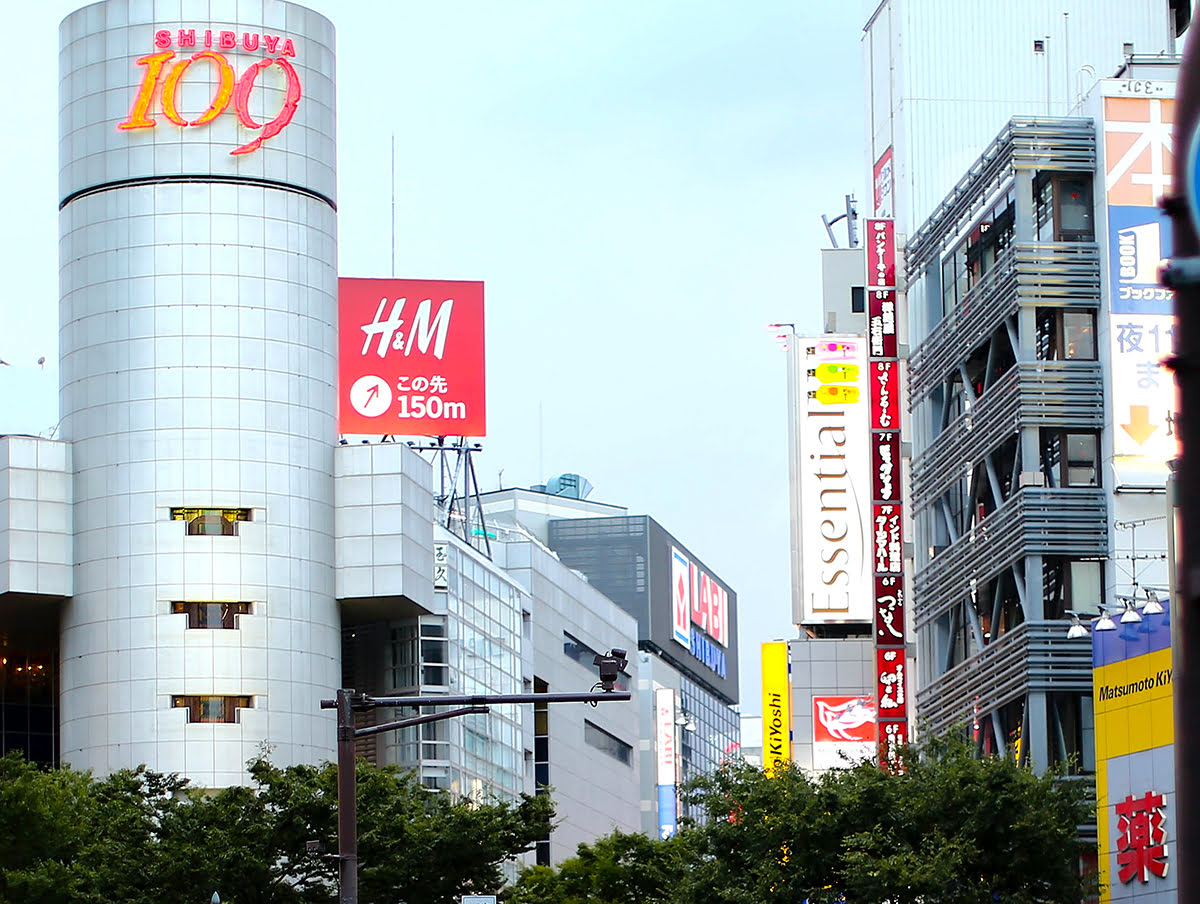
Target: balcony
[[1071, 522], [1034, 656], [1046, 274], [1063, 394]]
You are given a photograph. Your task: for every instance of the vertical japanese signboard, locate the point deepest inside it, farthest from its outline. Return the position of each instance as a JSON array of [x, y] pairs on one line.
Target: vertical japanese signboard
[[835, 498], [883, 179], [1138, 165], [777, 706], [887, 509], [1135, 761], [410, 357], [666, 757]]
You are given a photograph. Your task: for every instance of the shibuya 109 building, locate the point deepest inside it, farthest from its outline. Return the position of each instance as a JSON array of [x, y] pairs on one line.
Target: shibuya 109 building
[[198, 298]]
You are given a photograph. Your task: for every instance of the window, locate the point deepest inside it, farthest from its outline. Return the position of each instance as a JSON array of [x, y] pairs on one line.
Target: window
[[203, 708], [211, 522], [858, 300], [1063, 207], [211, 615], [1066, 335], [612, 745], [541, 760], [1082, 460]]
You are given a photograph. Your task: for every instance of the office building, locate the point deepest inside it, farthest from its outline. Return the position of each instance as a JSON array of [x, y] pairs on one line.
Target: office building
[[686, 642], [1042, 414]]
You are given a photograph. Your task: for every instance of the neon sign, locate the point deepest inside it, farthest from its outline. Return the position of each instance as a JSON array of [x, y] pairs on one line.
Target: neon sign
[[230, 87]]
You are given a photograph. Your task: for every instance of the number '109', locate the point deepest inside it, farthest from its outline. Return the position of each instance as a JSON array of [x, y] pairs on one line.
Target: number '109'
[[228, 88]]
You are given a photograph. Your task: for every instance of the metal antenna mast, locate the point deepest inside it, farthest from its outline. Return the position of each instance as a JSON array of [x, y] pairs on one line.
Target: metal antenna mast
[[458, 493]]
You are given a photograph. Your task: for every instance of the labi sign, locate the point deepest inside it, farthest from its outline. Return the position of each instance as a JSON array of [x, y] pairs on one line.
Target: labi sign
[[166, 70]]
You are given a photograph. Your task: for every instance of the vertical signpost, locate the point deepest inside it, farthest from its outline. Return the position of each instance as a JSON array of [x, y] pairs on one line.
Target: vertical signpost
[[1183, 275], [887, 521]]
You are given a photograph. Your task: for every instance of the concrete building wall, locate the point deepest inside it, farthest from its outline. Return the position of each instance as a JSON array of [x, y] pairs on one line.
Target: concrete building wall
[[36, 555], [825, 667], [383, 526], [595, 792]]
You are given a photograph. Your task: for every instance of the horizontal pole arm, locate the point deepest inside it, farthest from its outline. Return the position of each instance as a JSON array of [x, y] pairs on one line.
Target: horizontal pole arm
[[419, 720], [367, 702]]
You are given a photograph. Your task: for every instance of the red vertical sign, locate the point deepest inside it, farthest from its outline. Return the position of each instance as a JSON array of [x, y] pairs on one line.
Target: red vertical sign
[[887, 526]]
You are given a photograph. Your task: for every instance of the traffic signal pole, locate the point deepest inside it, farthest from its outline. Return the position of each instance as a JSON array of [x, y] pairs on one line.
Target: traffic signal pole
[[1182, 274], [347, 703]]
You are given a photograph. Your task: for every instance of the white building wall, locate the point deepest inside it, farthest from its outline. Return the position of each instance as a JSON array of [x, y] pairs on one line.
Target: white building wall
[[197, 345], [594, 793], [383, 524], [942, 77], [35, 516]]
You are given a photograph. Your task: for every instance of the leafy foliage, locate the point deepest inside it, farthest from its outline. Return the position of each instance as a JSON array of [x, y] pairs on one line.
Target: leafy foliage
[[144, 838], [950, 828]]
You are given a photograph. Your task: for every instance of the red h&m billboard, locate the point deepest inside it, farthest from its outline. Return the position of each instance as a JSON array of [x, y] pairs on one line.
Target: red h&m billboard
[[410, 357]]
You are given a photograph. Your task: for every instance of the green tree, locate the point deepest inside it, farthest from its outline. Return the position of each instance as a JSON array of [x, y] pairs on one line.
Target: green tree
[[620, 868], [951, 827], [143, 838]]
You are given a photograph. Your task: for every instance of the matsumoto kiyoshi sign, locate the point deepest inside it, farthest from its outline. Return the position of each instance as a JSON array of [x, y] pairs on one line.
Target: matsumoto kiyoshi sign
[[181, 56]]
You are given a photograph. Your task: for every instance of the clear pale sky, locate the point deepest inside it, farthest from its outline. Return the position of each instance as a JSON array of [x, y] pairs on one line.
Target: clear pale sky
[[638, 184]]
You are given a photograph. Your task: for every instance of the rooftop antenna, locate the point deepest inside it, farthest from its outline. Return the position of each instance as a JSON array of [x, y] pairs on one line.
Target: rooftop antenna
[[393, 205], [851, 218], [457, 494]]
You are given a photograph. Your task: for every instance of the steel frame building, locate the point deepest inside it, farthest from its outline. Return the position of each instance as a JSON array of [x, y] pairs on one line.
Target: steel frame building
[[1007, 396]]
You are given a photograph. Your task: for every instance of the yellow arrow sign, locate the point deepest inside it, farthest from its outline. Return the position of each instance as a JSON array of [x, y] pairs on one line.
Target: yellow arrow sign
[[1139, 427]]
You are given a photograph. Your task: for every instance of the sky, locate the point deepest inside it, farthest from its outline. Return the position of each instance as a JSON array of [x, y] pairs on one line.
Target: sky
[[640, 187]]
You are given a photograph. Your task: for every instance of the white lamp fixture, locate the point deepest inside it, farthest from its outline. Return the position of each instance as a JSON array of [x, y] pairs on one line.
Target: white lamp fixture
[[1077, 629], [1153, 606], [1130, 616], [1104, 622]]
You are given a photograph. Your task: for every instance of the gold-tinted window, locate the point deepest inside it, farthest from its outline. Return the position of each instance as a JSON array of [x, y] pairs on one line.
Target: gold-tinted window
[[211, 708], [204, 614], [212, 522]]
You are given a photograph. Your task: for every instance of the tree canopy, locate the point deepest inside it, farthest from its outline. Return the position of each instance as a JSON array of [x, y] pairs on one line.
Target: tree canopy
[[140, 837], [950, 828]]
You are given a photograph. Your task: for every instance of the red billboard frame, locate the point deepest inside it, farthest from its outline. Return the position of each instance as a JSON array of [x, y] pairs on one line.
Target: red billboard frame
[[411, 357]]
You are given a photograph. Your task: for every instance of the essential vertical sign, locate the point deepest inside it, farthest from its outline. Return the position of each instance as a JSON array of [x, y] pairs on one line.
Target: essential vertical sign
[[777, 706], [887, 508], [835, 499], [411, 357]]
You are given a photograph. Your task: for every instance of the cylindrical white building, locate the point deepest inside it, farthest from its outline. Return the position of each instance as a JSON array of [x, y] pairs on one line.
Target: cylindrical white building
[[198, 256]]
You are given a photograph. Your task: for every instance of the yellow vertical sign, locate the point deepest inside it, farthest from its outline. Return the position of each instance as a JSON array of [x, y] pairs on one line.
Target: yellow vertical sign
[[777, 706]]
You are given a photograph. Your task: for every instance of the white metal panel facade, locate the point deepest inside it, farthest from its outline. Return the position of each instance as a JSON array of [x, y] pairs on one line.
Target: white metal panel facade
[[197, 312], [942, 77]]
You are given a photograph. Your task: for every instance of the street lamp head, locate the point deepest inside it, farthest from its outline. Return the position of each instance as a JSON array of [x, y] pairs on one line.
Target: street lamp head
[[1153, 606], [1130, 616], [1104, 622], [1077, 629]]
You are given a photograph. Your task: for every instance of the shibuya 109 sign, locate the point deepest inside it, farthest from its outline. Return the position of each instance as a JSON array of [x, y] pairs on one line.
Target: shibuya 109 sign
[[167, 69], [410, 357]]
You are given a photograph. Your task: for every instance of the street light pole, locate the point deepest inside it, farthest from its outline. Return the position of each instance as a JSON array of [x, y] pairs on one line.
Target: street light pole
[[1182, 274], [347, 702], [347, 800]]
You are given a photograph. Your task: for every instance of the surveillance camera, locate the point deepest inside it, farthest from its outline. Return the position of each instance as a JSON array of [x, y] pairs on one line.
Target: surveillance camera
[[610, 665]]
